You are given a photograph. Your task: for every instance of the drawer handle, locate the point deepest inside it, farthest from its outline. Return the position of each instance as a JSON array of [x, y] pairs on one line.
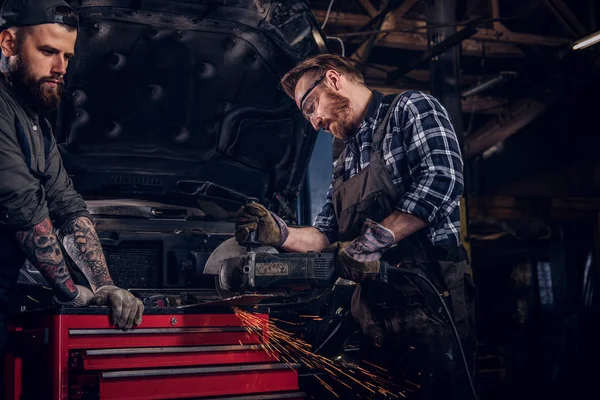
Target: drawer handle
[[201, 370], [142, 331], [169, 350], [275, 396]]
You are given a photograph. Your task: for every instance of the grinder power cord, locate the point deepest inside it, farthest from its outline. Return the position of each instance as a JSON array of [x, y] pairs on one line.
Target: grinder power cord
[[387, 270], [265, 270]]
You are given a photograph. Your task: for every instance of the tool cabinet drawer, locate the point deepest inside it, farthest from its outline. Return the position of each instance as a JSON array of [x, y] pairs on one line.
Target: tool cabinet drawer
[[156, 357], [182, 383], [163, 337]]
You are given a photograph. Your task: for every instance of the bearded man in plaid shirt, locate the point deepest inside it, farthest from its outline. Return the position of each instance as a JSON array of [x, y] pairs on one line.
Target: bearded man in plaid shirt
[[394, 198]]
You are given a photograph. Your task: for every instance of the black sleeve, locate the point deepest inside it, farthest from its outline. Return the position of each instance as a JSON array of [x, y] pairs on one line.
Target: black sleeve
[[22, 197]]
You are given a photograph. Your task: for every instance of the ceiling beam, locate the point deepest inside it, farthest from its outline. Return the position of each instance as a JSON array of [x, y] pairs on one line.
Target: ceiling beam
[[492, 37], [433, 51], [405, 7], [378, 72], [498, 27], [470, 47], [499, 129], [566, 17], [473, 104], [361, 55], [368, 7], [508, 207], [516, 117], [483, 104]]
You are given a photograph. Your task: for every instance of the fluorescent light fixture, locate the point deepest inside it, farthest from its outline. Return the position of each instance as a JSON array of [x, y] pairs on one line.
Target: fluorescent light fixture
[[587, 41]]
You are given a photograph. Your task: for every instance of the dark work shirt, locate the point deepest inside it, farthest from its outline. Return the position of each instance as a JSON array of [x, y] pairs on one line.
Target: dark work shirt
[[422, 154], [31, 193]]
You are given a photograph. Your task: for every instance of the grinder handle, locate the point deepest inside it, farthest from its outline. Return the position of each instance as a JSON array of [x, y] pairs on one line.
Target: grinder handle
[[252, 237], [251, 243]]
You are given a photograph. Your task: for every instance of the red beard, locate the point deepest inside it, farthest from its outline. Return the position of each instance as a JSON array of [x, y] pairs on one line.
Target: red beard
[[340, 123]]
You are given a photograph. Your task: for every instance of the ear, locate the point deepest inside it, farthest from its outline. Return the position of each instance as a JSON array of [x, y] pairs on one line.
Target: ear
[[334, 79], [8, 42]]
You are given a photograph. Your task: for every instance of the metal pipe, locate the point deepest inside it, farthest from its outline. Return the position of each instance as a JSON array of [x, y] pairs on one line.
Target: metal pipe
[[504, 76]]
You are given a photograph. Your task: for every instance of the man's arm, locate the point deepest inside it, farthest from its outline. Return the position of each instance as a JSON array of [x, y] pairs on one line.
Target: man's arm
[[403, 224], [272, 230], [24, 213], [323, 232], [302, 240], [41, 248], [81, 242], [435, 164]]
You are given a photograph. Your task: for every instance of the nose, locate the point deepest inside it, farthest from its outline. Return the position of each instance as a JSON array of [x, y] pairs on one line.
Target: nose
[[59, 67], [316, 122]]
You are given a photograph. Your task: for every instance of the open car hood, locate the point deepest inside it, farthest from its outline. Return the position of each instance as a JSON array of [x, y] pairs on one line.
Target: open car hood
[[164, 95]]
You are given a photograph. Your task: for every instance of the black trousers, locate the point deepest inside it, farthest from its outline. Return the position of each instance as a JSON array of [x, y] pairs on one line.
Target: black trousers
[[11, 260], [412, 341]]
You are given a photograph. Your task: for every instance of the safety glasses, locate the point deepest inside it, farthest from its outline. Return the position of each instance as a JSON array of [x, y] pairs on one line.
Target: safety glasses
[[310, 89]]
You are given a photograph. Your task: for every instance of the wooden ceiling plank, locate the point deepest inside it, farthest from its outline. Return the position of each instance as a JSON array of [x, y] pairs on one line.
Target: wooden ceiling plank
[[400, 39], [561, 19], [473, 104], [497, 130], [369, 7], [405, 7], [570, 17]]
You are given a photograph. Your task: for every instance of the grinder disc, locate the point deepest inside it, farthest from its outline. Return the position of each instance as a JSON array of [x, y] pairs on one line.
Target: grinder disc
[[226, 250]]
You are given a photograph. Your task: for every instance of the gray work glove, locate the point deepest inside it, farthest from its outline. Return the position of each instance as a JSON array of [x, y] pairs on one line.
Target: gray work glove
[[270, 229], [83, 298], [359, 259], [126, 309]]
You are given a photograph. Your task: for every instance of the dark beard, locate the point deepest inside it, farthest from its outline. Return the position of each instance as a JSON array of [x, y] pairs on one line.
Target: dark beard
[[340, 125], [32, 90]]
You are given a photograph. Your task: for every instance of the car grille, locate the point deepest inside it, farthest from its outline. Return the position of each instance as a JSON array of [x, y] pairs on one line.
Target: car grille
[[135, 264]]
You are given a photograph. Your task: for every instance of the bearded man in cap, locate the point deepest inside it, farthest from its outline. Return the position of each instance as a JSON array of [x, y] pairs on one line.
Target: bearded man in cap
[[42, 218]]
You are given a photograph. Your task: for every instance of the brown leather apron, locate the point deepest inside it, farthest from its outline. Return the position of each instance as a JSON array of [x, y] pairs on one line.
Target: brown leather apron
[[404, 313]]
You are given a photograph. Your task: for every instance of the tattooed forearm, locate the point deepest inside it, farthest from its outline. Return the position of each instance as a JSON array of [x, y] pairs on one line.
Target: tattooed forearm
[[81, 241], [40, 245]]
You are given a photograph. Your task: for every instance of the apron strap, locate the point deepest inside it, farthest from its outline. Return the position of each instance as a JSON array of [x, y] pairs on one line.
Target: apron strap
[[26, 149], [340, 166], [382, 127]]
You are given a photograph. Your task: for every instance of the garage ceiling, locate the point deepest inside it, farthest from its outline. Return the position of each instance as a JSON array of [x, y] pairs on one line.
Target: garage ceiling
[[519, 49]]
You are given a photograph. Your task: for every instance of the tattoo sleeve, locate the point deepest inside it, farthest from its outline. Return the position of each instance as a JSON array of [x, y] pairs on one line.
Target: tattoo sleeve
[[81, 241], [41, 248]]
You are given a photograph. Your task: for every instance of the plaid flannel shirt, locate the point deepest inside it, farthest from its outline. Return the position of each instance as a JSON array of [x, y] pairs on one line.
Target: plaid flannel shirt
[[422, 154]]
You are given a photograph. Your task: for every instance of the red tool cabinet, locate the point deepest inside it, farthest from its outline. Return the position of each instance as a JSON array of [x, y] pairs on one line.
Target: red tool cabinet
[[174, 354]]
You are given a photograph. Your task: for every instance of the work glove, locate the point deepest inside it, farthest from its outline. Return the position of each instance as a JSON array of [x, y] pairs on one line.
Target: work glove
[[126, 309], [83, 298], [358, 259], [270, 229]]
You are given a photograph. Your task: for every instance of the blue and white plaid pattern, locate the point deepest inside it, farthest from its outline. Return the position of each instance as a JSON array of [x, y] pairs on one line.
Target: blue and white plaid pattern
[[422, 154]]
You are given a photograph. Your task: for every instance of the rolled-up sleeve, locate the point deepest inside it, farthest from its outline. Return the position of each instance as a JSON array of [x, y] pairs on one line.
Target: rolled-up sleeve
[[326, 221], [64, 203], [22, 198], [434, 160]]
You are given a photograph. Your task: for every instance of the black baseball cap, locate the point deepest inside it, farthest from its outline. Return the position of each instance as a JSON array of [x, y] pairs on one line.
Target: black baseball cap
[[34, 12]]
